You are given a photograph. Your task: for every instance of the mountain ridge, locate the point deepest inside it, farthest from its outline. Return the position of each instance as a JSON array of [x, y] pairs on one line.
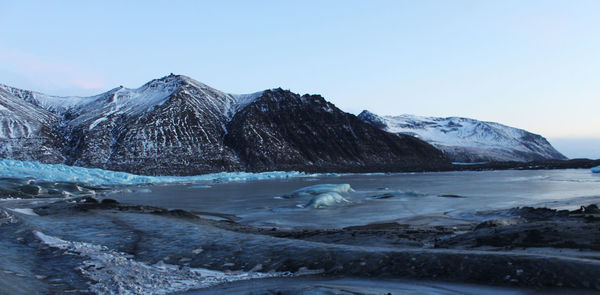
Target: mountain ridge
[[176, 125], [469, 140]]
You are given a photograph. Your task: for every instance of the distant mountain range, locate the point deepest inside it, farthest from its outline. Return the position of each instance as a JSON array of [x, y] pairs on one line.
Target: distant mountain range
[[469, 140], [178, 126]]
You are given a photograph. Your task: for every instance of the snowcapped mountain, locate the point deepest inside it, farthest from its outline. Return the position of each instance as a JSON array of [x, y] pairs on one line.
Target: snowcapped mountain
[[26, 130], [469, 140], [178, 126]]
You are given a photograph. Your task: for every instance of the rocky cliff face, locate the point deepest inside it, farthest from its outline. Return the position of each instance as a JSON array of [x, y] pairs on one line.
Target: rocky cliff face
[[178, 126], [469, 140], [285, 131]]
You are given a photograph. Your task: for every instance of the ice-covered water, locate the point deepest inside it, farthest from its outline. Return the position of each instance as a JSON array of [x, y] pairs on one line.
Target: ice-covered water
[[122, 252], [416, 197]]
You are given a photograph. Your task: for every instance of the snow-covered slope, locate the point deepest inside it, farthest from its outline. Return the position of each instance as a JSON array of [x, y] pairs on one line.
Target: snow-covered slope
[[469, 140], [55, 104], [26, 130]]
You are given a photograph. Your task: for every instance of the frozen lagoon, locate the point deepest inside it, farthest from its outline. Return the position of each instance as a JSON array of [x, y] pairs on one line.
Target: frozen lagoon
[[249, 230], [426, 198]]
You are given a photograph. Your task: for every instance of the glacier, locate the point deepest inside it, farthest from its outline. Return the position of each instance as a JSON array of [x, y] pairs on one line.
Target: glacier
[[95, 176], [596, 169]]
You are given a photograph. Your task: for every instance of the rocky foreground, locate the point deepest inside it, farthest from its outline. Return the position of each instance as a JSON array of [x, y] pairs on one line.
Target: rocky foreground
[[529, 247], [61, 237]]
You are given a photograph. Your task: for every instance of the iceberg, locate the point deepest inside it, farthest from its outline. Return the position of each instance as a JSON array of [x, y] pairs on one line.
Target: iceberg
[[26, 211], [323, 195], [596, 169], [319, 189], [94, 176], [325, 200]]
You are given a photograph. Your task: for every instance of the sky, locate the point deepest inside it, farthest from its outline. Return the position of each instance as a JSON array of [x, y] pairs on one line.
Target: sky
[[524, 63]]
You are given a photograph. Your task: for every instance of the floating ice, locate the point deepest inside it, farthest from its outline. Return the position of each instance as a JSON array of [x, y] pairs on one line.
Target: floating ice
[[596, 169], [26, 211], [325, 200], [318, 189], [116, 273], [60, 172], [323, 195]]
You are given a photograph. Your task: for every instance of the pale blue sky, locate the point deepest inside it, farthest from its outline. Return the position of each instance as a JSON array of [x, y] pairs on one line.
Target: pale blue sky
[[528, 64]]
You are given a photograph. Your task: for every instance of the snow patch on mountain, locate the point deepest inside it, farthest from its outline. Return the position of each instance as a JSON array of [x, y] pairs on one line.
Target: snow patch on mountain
[[56, 104], [130, 101], [468, 140], [242, 100], [25, 130]]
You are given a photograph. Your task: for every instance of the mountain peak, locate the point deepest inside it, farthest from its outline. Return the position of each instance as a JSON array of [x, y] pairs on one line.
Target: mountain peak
[[178, 79], [373, 119]]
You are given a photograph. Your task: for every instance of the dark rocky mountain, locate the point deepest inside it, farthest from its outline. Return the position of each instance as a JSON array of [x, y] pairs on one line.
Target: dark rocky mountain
[[282, 130], [178, 126]]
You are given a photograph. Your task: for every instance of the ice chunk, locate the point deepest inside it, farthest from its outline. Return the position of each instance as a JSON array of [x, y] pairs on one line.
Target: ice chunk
[[320, 189], [26, 211], [325, 200], [59, 172], [596, 169]]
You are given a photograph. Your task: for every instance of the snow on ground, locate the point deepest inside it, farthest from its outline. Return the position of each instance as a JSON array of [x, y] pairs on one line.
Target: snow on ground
[[60, 172], [117, 273]]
